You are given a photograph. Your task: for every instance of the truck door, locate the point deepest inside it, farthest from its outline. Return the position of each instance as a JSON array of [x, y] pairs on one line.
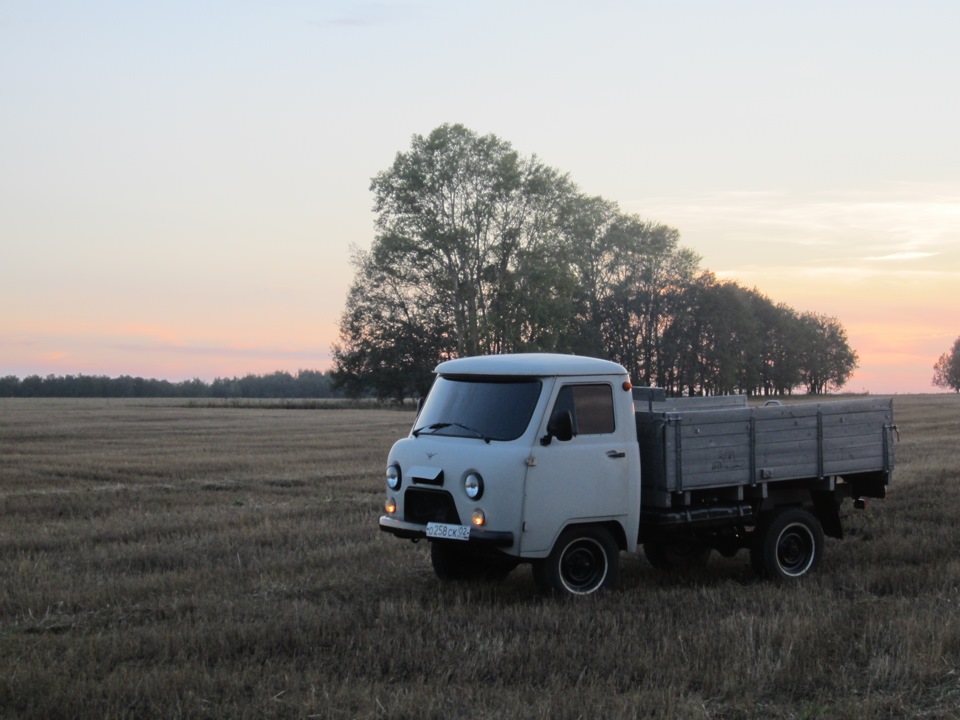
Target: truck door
[[582, 479]]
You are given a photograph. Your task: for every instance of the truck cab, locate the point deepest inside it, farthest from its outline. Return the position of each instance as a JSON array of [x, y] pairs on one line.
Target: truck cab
[[514, 457]]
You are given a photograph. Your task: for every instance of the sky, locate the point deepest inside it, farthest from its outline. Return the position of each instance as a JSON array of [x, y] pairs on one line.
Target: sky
[[182, 183]]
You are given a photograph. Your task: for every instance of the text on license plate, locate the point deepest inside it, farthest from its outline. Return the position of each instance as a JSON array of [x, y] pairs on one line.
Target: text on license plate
[[448, 532]]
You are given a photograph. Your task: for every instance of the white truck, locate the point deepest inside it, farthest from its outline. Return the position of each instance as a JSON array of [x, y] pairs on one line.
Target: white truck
[[557, 461]]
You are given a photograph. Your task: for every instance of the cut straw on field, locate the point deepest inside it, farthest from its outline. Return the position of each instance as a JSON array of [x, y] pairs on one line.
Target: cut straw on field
[[166, 560]]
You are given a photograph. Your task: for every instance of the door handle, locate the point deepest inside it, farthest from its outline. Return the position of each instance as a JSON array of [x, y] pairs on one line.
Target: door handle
[[616, 454]]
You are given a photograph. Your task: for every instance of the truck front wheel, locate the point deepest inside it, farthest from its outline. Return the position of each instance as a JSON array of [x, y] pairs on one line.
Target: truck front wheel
[[787, 546], [584, 560]]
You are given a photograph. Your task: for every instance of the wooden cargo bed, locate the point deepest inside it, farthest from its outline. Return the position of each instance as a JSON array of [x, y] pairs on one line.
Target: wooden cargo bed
[[685, 449]]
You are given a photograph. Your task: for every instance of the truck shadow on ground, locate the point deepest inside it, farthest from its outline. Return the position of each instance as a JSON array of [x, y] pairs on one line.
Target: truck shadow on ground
[[636, 577], [636, 573]]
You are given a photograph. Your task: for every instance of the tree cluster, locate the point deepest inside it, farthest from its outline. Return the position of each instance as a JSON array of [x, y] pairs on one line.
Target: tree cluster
[[946, 371], [480, 250], [305, 384]]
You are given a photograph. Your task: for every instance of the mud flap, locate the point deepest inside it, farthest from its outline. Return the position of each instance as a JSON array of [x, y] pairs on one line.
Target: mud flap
[[827, 509]]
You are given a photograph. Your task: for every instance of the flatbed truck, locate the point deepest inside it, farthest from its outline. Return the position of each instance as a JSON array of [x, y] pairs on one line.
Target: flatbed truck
[[558, 461]]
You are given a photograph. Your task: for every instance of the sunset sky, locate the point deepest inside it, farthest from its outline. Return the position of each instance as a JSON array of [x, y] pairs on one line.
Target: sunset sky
[[181, 182]]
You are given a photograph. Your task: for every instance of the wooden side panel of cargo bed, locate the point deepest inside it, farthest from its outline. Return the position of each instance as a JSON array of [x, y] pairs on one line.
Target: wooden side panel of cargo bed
[[691, 450], [854, 442]]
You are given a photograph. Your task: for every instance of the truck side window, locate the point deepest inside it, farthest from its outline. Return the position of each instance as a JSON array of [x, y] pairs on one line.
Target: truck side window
[[591, 405]]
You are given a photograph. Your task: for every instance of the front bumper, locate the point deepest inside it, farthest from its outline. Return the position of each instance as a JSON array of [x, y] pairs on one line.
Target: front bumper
[[414, 531]]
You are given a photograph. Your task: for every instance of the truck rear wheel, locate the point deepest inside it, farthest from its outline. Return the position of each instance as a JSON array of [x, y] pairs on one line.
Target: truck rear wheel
[[787, 546], [584, 561]]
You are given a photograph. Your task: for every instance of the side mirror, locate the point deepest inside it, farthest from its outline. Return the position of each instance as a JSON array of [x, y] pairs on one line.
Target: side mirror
[[420, 402], [560, 426]]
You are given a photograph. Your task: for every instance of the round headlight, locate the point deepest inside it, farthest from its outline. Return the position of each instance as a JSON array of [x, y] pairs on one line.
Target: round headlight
[[393, 477], [473, 486]]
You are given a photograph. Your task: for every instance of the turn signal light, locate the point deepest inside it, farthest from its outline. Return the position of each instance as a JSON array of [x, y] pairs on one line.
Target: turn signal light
[[391, 506], [478, 517]]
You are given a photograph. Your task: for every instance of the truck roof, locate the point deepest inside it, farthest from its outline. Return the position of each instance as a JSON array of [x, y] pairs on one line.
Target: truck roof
[[533, 364]]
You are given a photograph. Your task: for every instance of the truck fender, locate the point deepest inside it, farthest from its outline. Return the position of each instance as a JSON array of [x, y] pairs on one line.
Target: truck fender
[[611, 526]]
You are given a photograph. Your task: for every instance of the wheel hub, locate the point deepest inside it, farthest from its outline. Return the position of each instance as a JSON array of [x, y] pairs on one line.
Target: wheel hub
[[794, 550], [582, 566]]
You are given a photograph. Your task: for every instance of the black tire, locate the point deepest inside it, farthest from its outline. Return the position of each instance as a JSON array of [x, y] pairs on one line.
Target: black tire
[[787, 546], [452, 563], [681, 554], [584, 561]]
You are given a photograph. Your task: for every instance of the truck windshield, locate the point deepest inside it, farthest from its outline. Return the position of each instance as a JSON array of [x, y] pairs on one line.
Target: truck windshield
[[494, 408]]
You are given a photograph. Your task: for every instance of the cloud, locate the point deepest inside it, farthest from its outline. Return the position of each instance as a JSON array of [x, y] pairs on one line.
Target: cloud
[[903, 219], [903, 233], [903, 256], [833, 272]]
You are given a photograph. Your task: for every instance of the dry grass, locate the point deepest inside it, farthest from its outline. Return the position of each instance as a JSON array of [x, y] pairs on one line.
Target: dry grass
[[167, 561]]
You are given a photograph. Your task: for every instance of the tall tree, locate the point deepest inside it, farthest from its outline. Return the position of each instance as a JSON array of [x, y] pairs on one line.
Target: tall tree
[[391, 333], [781, 335], [826, 357], [468, 220], [714, 339], [628, 270], [593, 257], [946, 372], [725, 338], [688, 339]]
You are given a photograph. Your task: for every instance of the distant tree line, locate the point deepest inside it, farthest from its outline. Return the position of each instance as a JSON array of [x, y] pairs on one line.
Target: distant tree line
[[305, 384], [480, 250]]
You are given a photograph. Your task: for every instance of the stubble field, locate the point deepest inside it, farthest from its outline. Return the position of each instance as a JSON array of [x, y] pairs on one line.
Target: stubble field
[[164, 560]]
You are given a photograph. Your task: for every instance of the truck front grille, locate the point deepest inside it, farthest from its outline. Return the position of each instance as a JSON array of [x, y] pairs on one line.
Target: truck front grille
[[423, 506]]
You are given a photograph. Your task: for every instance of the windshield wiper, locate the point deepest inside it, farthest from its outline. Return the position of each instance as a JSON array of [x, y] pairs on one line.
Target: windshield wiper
[[440, 426], [435, 426]]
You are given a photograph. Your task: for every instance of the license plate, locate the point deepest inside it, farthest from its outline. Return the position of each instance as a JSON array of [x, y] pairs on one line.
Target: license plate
[[444, 531]]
